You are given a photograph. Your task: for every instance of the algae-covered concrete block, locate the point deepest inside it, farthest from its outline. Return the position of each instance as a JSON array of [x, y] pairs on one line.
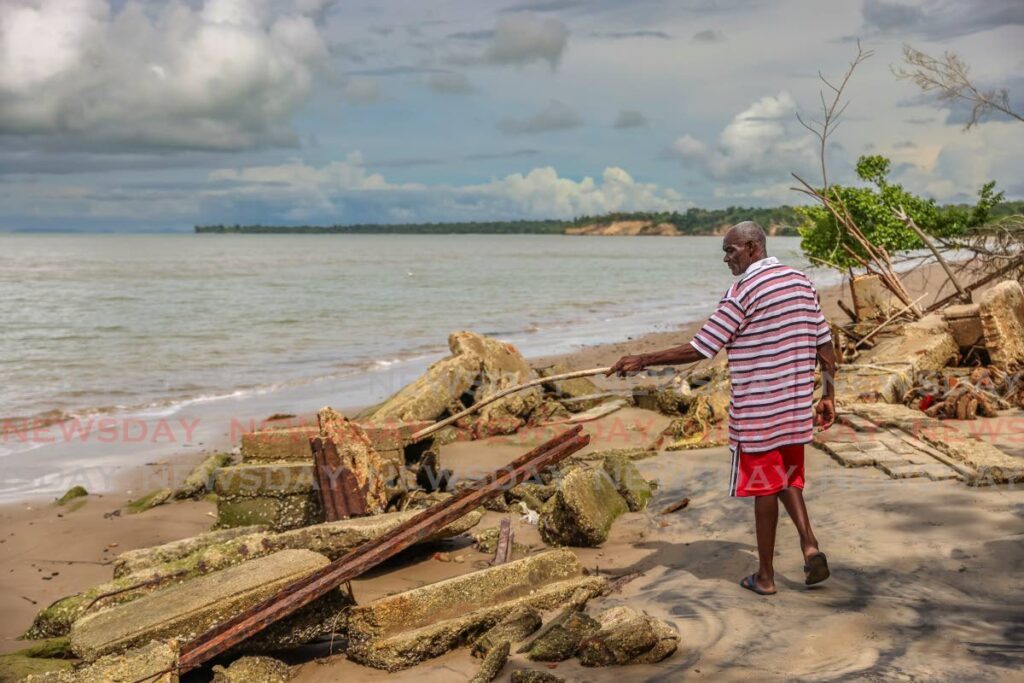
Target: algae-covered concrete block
[[279, 495], [630, 484], [186, 610], [357, 456], [534, 676], [276, 512], [153, 662], [1002, 316], [628, 637], [132, 561], [560, 638], [493, 663], [515, 626], [401, 630], [281, 443], [582, 510], [264, 479]]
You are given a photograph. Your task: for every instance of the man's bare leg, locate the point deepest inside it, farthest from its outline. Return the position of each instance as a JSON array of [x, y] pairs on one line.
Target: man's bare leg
[[793, 499], [766, 520]]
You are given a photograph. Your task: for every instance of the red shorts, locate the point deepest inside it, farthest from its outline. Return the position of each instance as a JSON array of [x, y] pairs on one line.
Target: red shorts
[[766, 473]]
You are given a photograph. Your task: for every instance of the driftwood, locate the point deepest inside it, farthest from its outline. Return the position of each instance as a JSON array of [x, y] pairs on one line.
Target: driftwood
[[304, 591], [427, 431], [1016, 263], [909, 222], [676, 506]]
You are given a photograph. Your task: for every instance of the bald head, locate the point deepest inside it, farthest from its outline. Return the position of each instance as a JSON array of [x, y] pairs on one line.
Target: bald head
[[744, 243]]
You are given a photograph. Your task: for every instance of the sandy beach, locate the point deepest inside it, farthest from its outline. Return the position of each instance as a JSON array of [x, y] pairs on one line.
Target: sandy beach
[[924, 583]]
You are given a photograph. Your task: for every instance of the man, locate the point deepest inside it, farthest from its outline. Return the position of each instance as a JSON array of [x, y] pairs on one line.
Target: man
[[771, 325]]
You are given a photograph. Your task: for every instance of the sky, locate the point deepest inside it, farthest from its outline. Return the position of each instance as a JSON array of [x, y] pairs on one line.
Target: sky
[[135, 115]]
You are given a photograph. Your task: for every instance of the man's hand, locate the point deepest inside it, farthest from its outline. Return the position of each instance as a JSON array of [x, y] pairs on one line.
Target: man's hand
[[627, 364], [825, 413]]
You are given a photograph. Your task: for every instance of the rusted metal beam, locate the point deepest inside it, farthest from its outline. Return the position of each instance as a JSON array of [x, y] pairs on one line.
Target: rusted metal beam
[[370, 554], [503, 549]]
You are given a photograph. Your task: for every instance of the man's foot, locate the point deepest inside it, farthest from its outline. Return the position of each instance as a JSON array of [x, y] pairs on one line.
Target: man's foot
[[754, 583], [816, 569]]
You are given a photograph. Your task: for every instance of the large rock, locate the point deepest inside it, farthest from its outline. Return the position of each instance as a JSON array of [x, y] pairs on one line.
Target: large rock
[[189, 609], [1002, 317], [140, 572], [401, 630], [627, 637], [575, 394], [478, 368], [582, 510], [630, 484]]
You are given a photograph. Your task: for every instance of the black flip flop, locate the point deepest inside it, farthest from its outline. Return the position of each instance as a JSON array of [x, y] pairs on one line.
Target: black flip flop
[[750, 583], [816, 569]]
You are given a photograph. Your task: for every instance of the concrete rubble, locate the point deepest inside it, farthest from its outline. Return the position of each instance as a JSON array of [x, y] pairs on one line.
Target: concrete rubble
[[153, 662], [582, 510], [534, 676], [253, 670], [154, 568], [626, 636], [200, 479], [561, 637], [184, 611], [493, 663], [577, 394], [515, 626], [964, 322], [1001, 310], [358, 457], [630, 484], [398, 631]]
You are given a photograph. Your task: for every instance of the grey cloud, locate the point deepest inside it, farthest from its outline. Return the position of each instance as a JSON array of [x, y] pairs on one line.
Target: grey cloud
[[940, 19], [482, 34], [919, 121], [904, 144], [521, 40], [486, 156], [555, 116], [630, 118], [708, 36], [438, 161], [545, 6], [362, 91], [451, 83], [398, 70], [129, 81]]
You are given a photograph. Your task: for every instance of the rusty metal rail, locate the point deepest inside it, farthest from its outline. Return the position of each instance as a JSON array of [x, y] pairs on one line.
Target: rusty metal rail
[[304, 591]]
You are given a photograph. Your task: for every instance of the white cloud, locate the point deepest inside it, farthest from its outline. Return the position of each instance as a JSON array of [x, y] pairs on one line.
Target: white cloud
[[228, 75], [760, 141], [345, 191], [555, 116]]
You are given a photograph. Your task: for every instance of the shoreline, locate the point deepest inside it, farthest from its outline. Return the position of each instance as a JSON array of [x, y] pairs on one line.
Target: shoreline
[[143, 452]]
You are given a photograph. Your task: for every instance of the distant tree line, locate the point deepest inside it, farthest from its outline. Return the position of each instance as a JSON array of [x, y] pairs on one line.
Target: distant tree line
[[782, 220]]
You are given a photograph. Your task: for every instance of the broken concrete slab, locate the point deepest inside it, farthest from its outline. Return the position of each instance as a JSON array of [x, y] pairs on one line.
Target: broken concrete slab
[[577, 394], [515, 626], [630, 484], [185, 611], [560, 638], [888, 370], [358, 458], [493, 663], [253, 670], [935, 471], [872, 300], [985, 464], [1002, 317], [153, 662], [582, 510], [965, 323], [200, 479], [132, 561], [401, 630], [627, 636], [279, 443]]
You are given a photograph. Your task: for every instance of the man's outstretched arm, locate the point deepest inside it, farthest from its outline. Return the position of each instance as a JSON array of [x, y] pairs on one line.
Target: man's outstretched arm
[[677, 355], [825, 411]]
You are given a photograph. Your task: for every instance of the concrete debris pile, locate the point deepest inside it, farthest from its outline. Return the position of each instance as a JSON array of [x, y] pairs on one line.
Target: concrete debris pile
[[699, 402]]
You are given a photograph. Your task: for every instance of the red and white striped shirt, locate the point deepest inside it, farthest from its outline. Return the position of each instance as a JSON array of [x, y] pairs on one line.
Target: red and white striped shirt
[[770, 324]]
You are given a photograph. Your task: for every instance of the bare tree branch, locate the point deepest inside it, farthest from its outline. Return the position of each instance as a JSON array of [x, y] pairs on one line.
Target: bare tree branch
[[949, 78]]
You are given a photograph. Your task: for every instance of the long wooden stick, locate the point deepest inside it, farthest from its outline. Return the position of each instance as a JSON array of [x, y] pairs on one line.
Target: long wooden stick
[[427, 431]]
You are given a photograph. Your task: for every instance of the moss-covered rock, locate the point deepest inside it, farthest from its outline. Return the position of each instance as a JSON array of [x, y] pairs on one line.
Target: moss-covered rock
[[200, 480], [493, 663], [72, 493], [39, 658], [517, 625], [534, 676], [582, 510], [628, 637], [630, 484], [560, 638], [149, 501]]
